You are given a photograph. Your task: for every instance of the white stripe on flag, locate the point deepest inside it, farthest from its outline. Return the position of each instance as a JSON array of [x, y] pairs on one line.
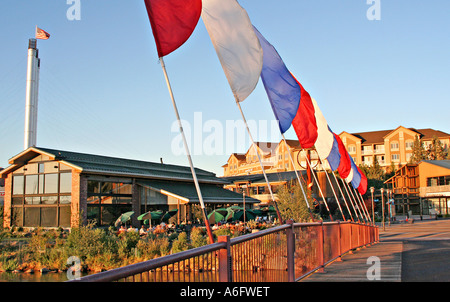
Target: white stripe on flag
[[325, 137], [236, 44]]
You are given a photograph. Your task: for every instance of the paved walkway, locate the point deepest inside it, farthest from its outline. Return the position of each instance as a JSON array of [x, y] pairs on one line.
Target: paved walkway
[[406, 252]]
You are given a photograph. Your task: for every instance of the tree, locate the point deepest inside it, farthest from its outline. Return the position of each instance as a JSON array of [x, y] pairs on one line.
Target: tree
[[292, 204], [419, 152], [436, 150]]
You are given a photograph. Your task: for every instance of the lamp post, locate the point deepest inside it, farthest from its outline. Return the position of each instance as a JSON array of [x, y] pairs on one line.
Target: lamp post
[[372, 189], [382, 204], [389, 191]]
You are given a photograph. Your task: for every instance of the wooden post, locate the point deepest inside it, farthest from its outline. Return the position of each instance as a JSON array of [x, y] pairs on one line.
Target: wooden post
[[225, 270], [290, 238]]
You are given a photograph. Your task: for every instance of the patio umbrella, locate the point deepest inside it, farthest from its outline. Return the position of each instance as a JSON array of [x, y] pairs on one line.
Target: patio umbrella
[[217, 215], [151, 215], [269, 210], [123, 218], [168, 215], [239, 215], [258, 212]]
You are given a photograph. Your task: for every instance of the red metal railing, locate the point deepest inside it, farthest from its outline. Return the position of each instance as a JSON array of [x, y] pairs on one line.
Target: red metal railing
[[284, 253]]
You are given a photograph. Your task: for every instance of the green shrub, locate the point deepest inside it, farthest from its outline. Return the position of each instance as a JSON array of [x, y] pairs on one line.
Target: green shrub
[[127, 243], [85, 241], [181, 243], [198, 237]]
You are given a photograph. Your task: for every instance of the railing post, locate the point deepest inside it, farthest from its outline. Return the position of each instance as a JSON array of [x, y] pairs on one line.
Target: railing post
[[321, 249], [290, 238], [225, 269], [351, 239], [339, 241]]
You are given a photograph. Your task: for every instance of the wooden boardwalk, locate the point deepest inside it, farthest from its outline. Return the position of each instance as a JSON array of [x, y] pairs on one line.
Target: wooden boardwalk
[[397, 260]]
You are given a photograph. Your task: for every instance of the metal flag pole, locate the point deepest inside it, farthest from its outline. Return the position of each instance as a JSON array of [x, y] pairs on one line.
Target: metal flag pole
[[332, 187], [342, 193], [320, 189], [260, 162], [361, 202], [299, 181], [356, 202], [194, 175], [350, 199], [364, 206]]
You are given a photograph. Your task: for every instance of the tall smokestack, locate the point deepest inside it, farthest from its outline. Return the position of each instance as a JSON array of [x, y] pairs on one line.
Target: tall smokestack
[[31, 98]]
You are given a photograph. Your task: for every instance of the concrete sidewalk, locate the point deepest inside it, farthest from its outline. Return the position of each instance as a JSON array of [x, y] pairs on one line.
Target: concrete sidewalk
[[357, 266], [404, 255]]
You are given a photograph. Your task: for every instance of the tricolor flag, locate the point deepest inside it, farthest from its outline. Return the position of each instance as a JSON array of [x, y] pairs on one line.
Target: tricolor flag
[[355, 175], [236, 44], [304, 123], [41, 34], [173, 22], [362, 188], [334, 158], [345, 165], [325, 138], [281, 87]]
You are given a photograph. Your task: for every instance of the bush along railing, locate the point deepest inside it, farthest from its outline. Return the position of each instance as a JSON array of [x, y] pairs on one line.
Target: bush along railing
[[285, 253]]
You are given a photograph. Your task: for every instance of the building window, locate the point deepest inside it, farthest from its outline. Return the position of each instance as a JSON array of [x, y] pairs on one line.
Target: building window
[[352, 149], [395, 157], [107, 200], [438, 181], [394, 146], [409, 144], [41, 196]]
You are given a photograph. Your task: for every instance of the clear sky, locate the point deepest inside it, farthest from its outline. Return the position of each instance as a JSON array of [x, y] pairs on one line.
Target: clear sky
[[102, 89]]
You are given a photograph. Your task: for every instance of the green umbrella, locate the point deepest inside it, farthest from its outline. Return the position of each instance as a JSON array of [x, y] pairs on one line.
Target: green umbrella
[[258, 212], [269, 210], [168, 215], [123, 218], [217, 215], [239, 215], [151, 215]]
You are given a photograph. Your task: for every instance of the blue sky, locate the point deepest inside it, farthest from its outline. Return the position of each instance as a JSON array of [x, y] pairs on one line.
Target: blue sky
[[102, 89]]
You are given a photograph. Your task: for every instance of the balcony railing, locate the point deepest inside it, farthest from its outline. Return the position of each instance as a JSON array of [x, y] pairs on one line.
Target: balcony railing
[[284, 253]]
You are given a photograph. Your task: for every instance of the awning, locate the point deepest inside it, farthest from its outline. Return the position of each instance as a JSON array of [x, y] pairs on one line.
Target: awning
[[187, 193]]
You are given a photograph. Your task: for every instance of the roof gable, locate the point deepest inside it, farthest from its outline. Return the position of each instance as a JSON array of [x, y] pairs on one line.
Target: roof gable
[[99, 164]]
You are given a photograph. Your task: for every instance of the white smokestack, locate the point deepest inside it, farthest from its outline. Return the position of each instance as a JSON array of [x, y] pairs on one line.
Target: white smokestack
[[31, 98]]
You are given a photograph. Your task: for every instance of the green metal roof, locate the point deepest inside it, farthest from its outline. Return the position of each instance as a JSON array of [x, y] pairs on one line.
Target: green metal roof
[[211, 193], [271, 177], [99, 164]]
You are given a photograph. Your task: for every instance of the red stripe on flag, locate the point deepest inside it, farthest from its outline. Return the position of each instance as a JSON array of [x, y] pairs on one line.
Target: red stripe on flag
[[345, 165], [41, 34], [173, 22], [304, 122]]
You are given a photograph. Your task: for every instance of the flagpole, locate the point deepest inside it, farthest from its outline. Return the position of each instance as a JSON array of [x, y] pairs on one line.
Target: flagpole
[[356, 201], [259, 159], [350, 199], [299, 181], [194, 175], [320, 189], [364, 206], [345, 199], [332, 187], [361, 202]]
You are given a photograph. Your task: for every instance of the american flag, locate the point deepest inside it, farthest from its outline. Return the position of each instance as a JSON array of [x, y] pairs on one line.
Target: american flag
[[41, 34]]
